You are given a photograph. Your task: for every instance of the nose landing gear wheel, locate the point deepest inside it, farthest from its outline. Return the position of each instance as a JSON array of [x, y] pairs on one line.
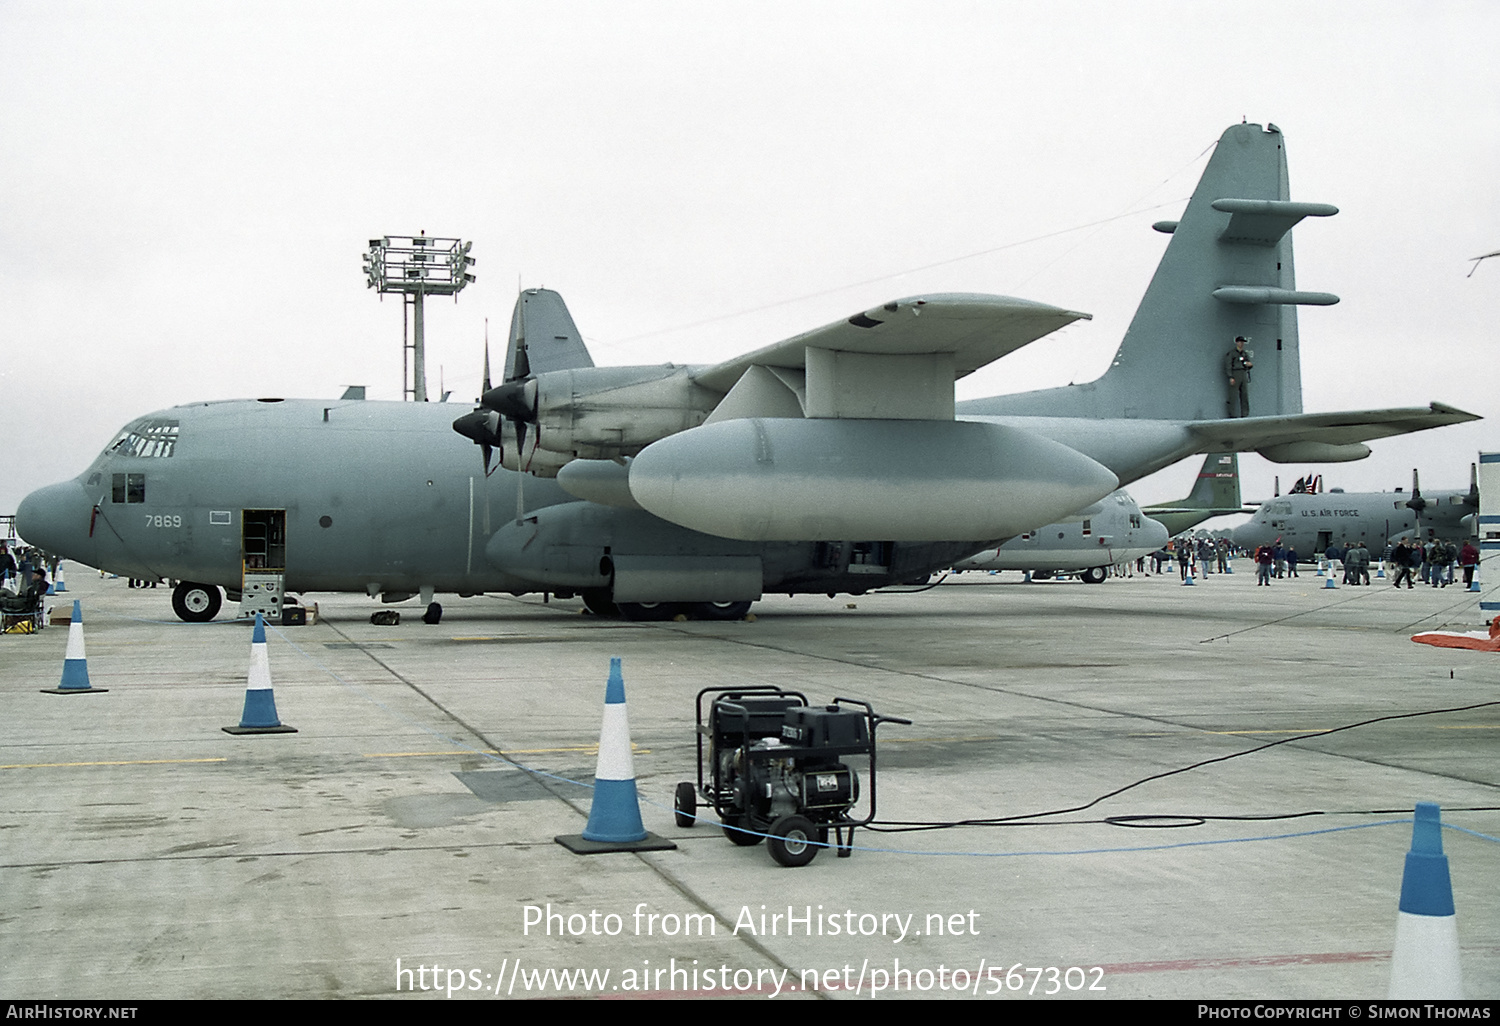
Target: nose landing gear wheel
[[196, 603]]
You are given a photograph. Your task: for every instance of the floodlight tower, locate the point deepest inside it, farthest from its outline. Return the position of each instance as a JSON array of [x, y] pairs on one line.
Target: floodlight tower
[[416, 266]]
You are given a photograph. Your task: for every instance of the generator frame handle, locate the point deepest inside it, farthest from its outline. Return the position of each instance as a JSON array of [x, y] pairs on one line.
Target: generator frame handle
[[875, 720]]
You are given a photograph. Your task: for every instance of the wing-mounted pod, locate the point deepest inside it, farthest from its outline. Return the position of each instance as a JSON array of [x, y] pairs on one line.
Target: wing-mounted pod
[[899, 480]]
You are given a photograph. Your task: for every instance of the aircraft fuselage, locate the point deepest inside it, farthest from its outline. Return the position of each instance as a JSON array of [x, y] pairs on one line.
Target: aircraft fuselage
[[384, 497]]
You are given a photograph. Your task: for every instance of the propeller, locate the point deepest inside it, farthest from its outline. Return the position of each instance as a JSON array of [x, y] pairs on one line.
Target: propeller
[[1416, 503], [1472, 499], [482, 425], [506, 412]]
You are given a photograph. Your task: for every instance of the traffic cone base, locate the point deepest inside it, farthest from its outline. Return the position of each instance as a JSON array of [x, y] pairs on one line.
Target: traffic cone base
[[615, 817]]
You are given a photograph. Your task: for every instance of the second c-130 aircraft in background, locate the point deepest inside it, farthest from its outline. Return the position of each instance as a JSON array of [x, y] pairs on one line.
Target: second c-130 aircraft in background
[[836, 461]]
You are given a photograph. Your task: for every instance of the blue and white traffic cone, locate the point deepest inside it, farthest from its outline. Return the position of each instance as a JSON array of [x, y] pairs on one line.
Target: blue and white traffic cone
[[1189, 578], [259, 716], [75, 672], [58, 585], [1424, 963], [1322, 567], [615, 817], [1329, 584]]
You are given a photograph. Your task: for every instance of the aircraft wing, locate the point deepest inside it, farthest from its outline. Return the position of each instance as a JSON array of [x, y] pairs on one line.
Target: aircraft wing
[[976, 329], [1321, 437]]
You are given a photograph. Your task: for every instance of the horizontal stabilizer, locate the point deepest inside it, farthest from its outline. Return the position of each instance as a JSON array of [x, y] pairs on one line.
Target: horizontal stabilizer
[[1287, 438]]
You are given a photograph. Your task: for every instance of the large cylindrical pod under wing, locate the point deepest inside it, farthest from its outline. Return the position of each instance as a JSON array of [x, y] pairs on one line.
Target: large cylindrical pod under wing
[[778, 480]]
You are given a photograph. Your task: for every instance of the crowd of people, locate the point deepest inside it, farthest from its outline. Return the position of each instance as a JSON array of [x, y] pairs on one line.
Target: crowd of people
[[1432, 562]]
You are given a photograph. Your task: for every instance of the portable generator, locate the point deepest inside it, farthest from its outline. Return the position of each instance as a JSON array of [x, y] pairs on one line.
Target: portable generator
[[773, 770]]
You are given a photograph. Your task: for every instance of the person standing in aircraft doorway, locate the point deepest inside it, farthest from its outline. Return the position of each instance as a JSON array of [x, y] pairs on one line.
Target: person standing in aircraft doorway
[[1237, 364]]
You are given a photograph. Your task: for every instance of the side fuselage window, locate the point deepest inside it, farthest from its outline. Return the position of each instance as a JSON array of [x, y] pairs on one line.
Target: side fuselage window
[[128, 488]]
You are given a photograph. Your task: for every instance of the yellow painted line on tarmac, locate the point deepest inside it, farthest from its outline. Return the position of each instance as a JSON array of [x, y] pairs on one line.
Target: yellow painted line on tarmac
[[126, 762], [587, 749]]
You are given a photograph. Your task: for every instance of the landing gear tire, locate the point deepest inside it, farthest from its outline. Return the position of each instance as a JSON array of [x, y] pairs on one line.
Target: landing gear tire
[[740, 837], [685, 807], [196, 603], [1094, 575], [598, 602], [792, 841], [719, 610], [648, 611]]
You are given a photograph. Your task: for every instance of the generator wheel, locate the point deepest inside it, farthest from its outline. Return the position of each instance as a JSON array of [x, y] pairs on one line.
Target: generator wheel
[[739, 837], [686, 805], [792, 841]]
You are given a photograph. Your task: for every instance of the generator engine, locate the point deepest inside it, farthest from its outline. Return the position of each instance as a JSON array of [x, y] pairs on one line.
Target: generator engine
[[775, 770]]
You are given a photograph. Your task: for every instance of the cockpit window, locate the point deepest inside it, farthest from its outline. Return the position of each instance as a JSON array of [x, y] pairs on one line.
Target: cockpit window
[[146, 439]]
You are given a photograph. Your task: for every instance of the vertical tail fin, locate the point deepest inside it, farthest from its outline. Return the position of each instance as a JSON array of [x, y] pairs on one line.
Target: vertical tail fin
[[1227, 271], [543, 337], [1216, 492]]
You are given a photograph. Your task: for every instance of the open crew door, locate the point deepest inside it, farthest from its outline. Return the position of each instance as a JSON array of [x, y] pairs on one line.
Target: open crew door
[[262, 562]]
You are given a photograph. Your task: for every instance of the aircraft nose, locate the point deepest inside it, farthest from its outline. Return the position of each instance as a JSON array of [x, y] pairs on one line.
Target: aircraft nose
[[1156, 533], [56, 518]]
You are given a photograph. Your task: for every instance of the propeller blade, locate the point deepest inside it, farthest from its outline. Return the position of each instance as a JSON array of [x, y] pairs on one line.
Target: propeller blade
[[487, 385], [515, 400], [1416, 503]]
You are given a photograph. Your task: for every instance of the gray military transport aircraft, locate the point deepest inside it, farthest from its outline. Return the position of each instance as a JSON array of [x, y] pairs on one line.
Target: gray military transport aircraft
[[1310, 520], [1110, 532], [836, 461], [1116, 529]]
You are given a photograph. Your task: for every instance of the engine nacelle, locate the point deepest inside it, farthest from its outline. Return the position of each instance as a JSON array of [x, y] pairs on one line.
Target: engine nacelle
[[607, 412]]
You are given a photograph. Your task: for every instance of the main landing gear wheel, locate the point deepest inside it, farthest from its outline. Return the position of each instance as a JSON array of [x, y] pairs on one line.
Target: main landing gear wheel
[[598, 602], [648, 611], [1094, 575], [196, 603], [720, 610], [686, 805], [791, 842]]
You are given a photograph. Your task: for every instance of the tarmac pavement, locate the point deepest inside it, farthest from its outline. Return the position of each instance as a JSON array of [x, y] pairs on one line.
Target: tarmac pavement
[[388, 849]]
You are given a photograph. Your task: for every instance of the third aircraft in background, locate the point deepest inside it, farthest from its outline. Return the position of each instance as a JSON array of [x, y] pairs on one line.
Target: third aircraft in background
[[1310, 521]]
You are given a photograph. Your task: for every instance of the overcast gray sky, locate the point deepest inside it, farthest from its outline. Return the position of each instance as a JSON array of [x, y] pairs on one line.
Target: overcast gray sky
[[186, 189]]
